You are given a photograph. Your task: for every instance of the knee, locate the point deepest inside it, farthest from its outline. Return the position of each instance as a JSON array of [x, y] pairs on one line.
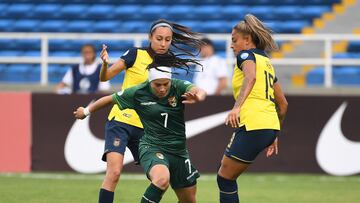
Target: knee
[[226, 185], [114, 175], [161, 182]]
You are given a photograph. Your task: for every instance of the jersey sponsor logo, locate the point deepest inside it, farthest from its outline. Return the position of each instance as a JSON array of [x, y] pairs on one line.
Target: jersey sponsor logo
[[336, 154], [127, 115], [117, 142], [244, 56], [83, 150], [147, 103], [172, 101], [126, 53], [159, 155]]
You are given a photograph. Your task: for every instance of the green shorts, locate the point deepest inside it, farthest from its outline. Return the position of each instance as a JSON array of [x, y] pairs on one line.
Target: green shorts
[[182, 172]]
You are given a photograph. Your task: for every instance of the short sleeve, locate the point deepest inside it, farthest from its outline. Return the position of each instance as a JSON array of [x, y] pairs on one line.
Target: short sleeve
[[182, 86], [125, 98], [244, 56], [129, 57]]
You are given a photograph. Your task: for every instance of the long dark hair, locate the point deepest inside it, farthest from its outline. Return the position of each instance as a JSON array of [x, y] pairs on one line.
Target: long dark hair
[[183, 40], [172, 60]]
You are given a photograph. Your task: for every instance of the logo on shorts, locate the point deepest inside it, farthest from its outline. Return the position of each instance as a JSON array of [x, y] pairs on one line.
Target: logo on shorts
[[159, 155], [172, 101], [116, 142]]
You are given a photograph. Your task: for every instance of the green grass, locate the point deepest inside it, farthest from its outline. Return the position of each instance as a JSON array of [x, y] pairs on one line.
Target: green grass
[[253, 188]]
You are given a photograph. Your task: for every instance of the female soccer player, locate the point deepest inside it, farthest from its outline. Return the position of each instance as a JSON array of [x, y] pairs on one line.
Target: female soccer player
[[260, 105], [123, 127], [159, 103]]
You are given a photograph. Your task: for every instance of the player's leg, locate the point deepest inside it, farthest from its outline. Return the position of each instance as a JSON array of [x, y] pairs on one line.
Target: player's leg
[[155, 165], [242, 150], [187, 194], [183, 176], [116, 135]]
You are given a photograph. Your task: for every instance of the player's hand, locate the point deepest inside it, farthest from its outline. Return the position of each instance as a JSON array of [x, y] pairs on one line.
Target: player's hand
[[79, 113], [233, 118], [104, 55], [273, 148], [190, 98]]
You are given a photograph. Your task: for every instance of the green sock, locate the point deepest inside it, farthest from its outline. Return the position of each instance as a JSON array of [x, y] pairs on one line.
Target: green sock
[[152, 194]]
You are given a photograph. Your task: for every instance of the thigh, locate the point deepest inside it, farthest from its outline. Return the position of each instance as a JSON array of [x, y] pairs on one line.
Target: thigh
[[245, 145], [151, 156], [133, 142], [187, 194], [231, 169], [116, 138], [182, 172]]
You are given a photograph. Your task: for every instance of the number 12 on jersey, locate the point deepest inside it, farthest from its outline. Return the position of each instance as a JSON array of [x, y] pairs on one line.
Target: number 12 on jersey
[[269, 80]]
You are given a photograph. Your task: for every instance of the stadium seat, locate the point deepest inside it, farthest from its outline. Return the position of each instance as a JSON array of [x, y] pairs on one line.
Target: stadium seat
[[234, 12], [74, 11], [354, 46], [27, 44], [127, 12], [292, 26], [10, 53], [134, 27], [215, 27], [154, 12], [65, 53], [208, 12], [20, 10], [99, 12], [182, 12], [3, 9], [53, 26], [80, 26], [26, 26], [310, 12], [6, 25], [48, 10], [286, 13], [107, 26]]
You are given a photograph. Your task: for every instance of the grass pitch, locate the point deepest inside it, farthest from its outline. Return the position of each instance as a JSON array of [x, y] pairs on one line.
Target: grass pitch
[[253, 188]]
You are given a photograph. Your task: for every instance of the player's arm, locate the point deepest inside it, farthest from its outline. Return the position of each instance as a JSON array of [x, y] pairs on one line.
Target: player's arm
[[107, 73], [194, 95], [249, 69], [82, 112], [280, 101]]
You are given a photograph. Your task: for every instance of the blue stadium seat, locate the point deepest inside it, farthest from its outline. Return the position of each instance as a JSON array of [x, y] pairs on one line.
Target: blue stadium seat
[[53, 26], [154, 12], [234, 12], [107, 26], [134, 27], [26, 26], [292, 26], [216, 27], [207, 12], [286, 13], [16, 73], [127, 12], [6, 25], [65, 53], [347, 76], [182, 12], [80, 26], [3, 9], [10, 53], [115, 45], [262, 12], [27, 44], [354, 46], [19, 10], [73, 11], [193, 25], [61, 45], [32, 53], [47, 10], [345, 55], [310, 12], [99, 12], [56, 72]]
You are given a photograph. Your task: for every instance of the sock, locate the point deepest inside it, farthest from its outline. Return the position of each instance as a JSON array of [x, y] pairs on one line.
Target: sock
[[228, 190], [152, 194], [106, 196]]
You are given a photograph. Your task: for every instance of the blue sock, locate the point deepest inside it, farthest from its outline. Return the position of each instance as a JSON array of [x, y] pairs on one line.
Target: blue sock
[[106, 196], [228, 190]]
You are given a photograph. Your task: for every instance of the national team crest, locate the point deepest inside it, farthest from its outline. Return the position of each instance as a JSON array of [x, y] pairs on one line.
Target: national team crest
[[172, 101], [116, 142], [159, 155]]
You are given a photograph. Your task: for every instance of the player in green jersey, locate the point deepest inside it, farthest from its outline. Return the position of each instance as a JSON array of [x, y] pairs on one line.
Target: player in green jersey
[[159, 102]]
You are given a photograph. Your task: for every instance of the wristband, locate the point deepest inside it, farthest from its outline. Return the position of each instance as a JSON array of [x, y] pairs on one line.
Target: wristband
[[86, 111]]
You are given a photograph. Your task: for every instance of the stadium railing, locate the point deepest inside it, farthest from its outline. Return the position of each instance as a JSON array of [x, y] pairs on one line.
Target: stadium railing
[[44, 59]]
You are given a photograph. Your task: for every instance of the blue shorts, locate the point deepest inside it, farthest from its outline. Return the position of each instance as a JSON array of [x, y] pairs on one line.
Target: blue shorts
[[245, 145], [120, 135]]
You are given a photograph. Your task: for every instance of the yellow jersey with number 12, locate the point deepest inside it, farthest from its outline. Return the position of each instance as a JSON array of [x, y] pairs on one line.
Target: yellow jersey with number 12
[[136, 60], [258, 111]]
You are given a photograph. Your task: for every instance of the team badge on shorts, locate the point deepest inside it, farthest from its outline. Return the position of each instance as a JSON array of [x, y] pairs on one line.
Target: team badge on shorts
[[116, 142], [159, 155], [172, 101]]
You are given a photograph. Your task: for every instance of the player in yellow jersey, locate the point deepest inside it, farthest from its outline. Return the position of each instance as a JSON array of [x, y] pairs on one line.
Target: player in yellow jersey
[[260, 105], [123, 128]]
